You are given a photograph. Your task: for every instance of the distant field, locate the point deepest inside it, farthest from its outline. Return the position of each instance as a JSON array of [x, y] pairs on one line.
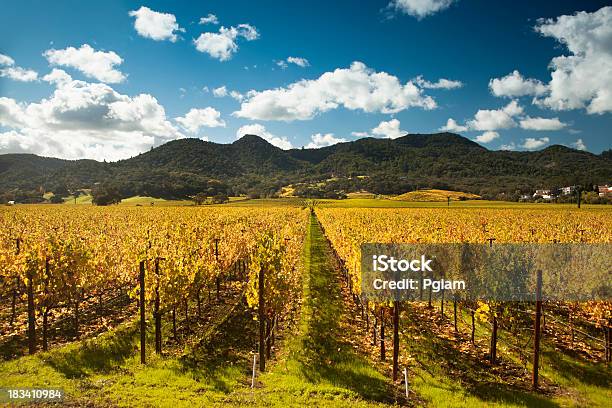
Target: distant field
[[141, 200], [359, 202], [435, 196]]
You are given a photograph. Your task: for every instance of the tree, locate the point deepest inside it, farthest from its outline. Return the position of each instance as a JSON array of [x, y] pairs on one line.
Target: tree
[[105, 195], [220, 199], [200, 198]]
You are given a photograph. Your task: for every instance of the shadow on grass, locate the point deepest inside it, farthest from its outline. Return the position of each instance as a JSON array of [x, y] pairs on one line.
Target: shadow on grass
[[228, 346], [578, 371], [441, 358], [99, 355], [323, 355]]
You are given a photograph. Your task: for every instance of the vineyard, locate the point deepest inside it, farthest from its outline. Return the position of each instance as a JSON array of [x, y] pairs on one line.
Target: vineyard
[[263, 305]]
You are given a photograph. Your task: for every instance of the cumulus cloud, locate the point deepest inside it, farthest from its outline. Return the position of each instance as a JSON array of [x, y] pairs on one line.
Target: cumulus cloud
[[453, 126], [220, 92], [487, 137], [19, 74], [94, 64], [582, 78], [6, 60], [84, 120], [420, 8], [209, 19], [531, 143], [360, 134], [155, 25], [260, 130], [354, 88], [14, 72], [223, 44], [299, 61], [389, 129], [321, 140], [579, 145], [199, 118], [530, 123], [495, 119], [442, 83], [514, 85]]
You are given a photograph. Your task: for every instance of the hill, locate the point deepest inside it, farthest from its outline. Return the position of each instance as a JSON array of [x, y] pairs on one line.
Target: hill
[[435, 196], [253, 166]]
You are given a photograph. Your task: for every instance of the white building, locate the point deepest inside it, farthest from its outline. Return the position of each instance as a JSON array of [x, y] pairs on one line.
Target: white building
[[568, 190]]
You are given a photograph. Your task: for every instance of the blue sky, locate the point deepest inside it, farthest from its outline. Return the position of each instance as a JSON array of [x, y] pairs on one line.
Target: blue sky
[[108, 80]]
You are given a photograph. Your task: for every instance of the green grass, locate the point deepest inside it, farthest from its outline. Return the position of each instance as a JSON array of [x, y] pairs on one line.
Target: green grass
[[319, 367], [107, 370], [446, 377]]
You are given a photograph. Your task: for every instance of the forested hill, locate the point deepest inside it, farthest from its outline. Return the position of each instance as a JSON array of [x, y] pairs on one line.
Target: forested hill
[[252, 165]]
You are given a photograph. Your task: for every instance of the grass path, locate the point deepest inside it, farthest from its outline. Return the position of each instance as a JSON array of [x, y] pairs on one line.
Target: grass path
[[319, 366]]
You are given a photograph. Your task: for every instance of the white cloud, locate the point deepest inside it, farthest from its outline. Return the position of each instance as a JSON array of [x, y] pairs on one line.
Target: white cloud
[[496, 119], [19, 74], [360, 134], [514, 85], [155, 25], [223, 45], [442, 83], [260, 130], [209, 19], [282, 64], [487, 137], [220, 92], [579, 145], [199, 118], [58, 77], [321, 140], [389, 129], [453, 126], [531, 143], [581, 79], [420, 8], [84, 120], [530, 123], [94, 64], [354, 88], [236, 95], [508, 146], [14, 72], [299, 61], [6, 60]]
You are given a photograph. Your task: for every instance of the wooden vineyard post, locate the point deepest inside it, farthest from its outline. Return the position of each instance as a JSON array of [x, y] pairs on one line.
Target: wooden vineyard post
[[45, 325], [493, 345], [406, 381], [493, 350], [382, 334], [143, 326], [31, 314], [536, 341], [16, 287], [262, 323], [455, 311], [156, 312], [217, 279], [473, 327], [608, 343], [396, 314], [578, 194]]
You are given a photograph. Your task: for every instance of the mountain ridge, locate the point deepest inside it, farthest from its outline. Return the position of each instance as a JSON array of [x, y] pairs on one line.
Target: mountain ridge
[[252, 165]]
